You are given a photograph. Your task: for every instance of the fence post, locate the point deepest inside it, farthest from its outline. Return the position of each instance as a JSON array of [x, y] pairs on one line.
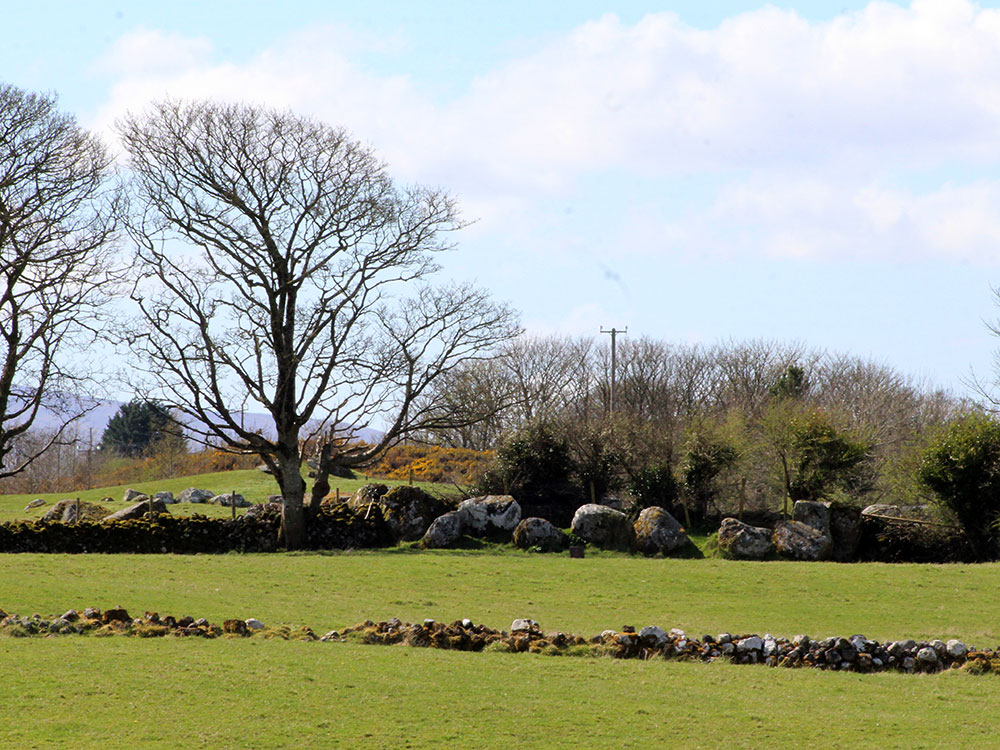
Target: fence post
[[232, 502]]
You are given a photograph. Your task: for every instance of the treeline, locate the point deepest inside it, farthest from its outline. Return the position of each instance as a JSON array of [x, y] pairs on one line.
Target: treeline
[[701, 430]]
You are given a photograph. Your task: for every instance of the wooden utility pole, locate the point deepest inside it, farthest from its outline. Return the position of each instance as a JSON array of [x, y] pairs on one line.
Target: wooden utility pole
[[614, 363]]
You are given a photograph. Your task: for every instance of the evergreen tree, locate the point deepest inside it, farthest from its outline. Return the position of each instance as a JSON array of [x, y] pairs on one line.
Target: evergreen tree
[[136, 428]]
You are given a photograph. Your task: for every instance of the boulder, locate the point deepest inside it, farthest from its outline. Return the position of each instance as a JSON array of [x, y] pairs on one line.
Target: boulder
[[194, 495], [604, 527], [166, 497], [65, 512], [845, 530], [743, 541], [538, 533], [796, 540], [408, 511], [138, 510], [230, 499], [658, 532], [36, 503], [813, 513], [133, 496], [444, 531], [494, 516]]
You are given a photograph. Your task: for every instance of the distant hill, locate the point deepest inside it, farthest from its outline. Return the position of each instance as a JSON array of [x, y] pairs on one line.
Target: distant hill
[[91, 426]]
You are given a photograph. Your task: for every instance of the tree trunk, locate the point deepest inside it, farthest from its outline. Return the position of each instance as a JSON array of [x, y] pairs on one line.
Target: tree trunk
[[293, 489]]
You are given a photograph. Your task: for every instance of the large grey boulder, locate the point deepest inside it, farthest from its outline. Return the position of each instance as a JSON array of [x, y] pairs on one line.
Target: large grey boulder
[[166, 497], [539, 533], [604, 527], [133, 496], [230, 499], [796, 540], [194, 495], [658, 533], [408, 511], [444, 531], [490, 516], [138, 510], [65, 512], [813, 513], [743, 541]]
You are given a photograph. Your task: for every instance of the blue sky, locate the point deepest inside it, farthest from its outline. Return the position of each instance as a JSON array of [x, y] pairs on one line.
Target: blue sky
[[824, 172]]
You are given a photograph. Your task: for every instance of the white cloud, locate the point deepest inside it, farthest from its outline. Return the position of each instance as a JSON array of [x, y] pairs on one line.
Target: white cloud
[[820, 115]]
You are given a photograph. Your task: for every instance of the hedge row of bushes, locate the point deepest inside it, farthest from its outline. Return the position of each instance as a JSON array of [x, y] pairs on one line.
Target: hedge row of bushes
[[336, 527]]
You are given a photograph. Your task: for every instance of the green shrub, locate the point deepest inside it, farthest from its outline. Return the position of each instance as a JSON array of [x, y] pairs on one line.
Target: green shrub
[[962, 468]]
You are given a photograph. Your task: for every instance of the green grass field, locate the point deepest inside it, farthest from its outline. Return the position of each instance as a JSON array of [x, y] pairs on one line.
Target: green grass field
[[166, 693], [250, 693]]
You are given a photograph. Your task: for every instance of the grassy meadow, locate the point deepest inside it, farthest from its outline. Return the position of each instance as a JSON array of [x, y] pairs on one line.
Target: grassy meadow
[[252, 693], [165, 693]]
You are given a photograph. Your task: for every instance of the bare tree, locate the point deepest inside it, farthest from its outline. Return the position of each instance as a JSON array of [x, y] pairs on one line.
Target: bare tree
[[279, 264], [57, 267]]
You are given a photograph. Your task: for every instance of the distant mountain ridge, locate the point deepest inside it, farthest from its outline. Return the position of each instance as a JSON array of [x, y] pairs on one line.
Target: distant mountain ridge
[[89, 428]]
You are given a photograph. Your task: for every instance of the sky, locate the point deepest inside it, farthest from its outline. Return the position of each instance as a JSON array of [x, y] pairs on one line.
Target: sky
[[814, 172]]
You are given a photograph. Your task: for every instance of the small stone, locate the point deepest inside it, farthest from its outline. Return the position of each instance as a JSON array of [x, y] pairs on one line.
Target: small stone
[[522, 624], [654, 634], [467, 623], [927, 655], [753, 643], [956, 649], [254, 624], [36, 503], [428, 623]]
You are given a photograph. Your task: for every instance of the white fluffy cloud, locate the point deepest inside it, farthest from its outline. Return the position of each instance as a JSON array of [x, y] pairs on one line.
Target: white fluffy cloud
[[812, 120]]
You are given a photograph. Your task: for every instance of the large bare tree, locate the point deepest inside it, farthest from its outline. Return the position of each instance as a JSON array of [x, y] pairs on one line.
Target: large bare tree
[[58, 204], [280, 268]]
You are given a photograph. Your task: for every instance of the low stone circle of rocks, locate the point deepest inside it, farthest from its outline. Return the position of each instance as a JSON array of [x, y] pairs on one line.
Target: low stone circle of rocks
[[853, 654]]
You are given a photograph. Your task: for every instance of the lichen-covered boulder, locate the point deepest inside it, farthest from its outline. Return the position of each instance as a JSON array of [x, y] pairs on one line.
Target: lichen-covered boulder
[[537, 533], [408, 511], [133, 496], [743, 541], [138, 510], [166, 497], [366, 497], [658, 533], [194, 495], [798, 541], [494, 516], [604, 527], [444, 531], [813, 513], [65, 512], [230, 499]]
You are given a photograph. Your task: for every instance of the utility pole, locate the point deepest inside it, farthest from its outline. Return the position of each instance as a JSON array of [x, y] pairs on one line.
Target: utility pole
[[614, 363]]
